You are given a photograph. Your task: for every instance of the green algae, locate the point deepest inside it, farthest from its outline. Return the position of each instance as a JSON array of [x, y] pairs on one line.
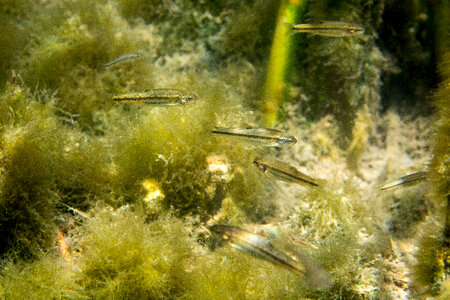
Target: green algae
[[71, 52], [31, 154], [176, 149], [65, 142], [355, 64], [124, 257], [408, 208], [432, 257], [47, 277]]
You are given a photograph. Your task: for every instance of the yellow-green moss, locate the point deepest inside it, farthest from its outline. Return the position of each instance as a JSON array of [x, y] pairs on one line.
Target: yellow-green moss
[[124, 257], [15, 33], [407, 208], [341, 76], [172, 146], [432, 257], [31, 155], [48, 277], [119, 255], [429, 270], [65, 142], [70, 54], [333, 219], [362, 129]]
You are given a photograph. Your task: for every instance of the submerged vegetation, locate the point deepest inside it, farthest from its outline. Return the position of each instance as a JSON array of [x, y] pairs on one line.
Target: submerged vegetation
[[109, 188]]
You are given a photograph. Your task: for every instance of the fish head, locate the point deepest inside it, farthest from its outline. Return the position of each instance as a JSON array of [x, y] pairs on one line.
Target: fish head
[[260, 165], [355, 29], [188, 98], [218, 228], [287, 139], [226, 232]]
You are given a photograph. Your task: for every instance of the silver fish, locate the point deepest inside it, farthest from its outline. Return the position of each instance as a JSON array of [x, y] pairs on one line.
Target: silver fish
[[262, 136], [407, 180], [164, 97], [256, 246], [123, 58], [84, 215], [329, 28], [283, 171]]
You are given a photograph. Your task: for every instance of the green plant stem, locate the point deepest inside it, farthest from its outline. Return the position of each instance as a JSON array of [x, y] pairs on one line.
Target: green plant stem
[[279, 68]]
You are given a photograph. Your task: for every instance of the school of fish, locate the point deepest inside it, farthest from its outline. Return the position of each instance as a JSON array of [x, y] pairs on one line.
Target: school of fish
[[241, 239]]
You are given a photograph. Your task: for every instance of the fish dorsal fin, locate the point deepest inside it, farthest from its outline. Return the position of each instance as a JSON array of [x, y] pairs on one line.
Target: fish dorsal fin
[[249, 126]]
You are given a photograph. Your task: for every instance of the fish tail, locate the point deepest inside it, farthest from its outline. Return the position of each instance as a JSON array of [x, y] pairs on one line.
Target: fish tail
[[291, 27], [392, 185]]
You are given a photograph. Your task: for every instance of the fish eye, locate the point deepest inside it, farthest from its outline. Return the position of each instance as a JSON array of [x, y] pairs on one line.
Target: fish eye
[[260, 166], [288, 140]]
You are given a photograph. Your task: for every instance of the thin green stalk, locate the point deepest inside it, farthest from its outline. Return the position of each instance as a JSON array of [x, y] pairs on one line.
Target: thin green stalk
[[279, 68]]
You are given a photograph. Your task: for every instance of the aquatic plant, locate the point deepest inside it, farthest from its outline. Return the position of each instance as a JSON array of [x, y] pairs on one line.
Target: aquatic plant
[[278, 71], [125, 257], [434, 243], [43, 163], [31, 154], [49, 276], [112, 200], [343, 77], [67, 54], [15, 34]]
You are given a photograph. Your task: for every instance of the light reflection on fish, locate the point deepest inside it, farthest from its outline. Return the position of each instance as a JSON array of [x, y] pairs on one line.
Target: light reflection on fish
[[256, 246], [76, 211], [262, 136], [407, 180], [283, 171], [329, 28], [163, 97], [123, 58]]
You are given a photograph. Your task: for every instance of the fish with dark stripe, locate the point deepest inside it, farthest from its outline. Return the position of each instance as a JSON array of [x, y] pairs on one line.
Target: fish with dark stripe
[[163, 97], [284, 171], [256, 246], [407, 180], [262, 136], [123, 58], [330, 28]]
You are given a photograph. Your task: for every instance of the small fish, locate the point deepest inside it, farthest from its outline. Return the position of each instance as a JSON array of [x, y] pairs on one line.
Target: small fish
[[164, 97], [283, 171], [123, 58], [256, 246], [332, 29], [406, 180], [76, 211], [264, 136]]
